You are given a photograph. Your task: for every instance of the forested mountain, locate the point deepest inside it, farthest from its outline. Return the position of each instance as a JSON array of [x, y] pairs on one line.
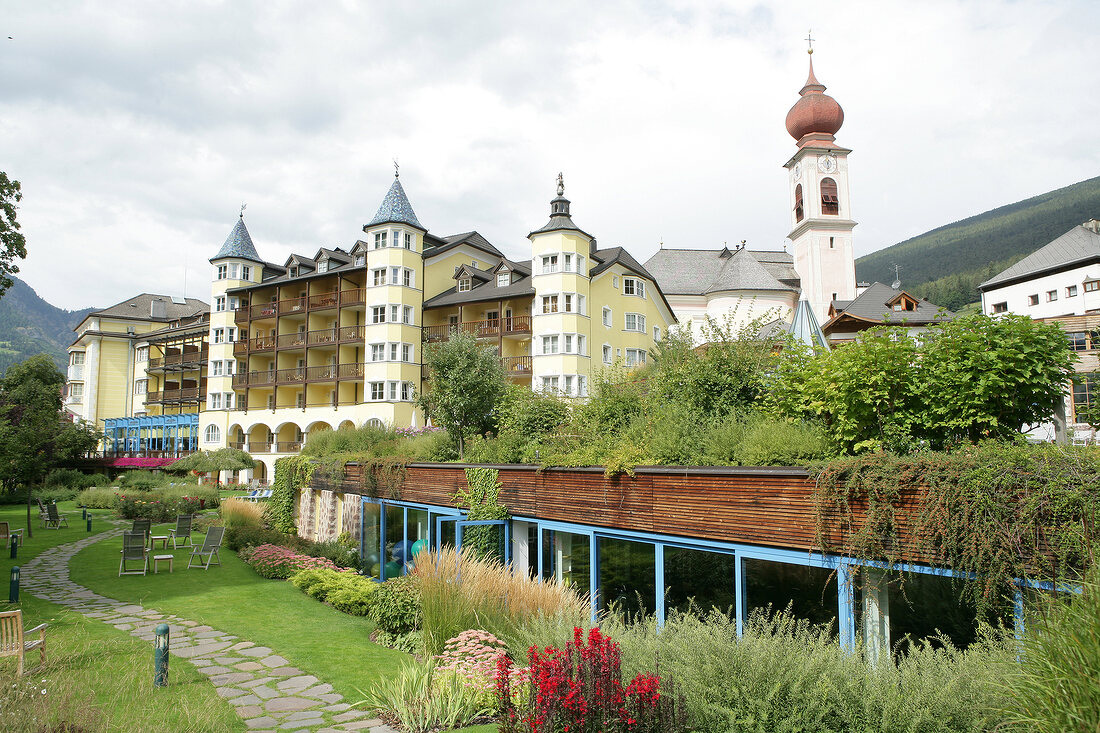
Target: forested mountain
[[30, 325], [946, 264]]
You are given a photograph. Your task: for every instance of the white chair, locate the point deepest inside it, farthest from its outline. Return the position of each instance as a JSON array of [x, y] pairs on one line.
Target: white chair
[[1083, 436]]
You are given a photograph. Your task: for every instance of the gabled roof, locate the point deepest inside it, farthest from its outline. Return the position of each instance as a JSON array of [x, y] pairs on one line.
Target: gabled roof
[[484, 288], [138, 308], [608, 257], [446, 244], [238, 244], [474, 272], [337, 255], [1078, 246], [704, 271], [872, 307], [395, 208]]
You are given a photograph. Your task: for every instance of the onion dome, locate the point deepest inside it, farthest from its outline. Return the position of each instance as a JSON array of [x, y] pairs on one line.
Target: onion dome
[[816, 113]]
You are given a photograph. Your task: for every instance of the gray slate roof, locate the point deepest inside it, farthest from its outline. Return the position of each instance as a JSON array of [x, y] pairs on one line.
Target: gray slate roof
[[445, 244], [871, 306], [395, 208], [138, 307], [238, 244], [703, 271], [1077, 246]]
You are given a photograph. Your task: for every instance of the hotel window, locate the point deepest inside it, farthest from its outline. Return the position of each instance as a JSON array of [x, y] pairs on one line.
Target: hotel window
[[549, 263], [360, 260], [635, 322], [229, 400], [212, 434], [656, 333], [395, 275], [464, 285], [229, 363], [1078, 340], [407, 314], [215, 368], [635, 357], [607, 316], [77, 358], [377, 352], [549, 304], [633, 286], [395, 311], [567, 344], [215, 400], [1000, 307], [1052, 295], [219, 335], [1033, 300], [580, 265], [1071, 291], [606, 354], [322, 266], [222, 272], [76, 390], [379, 276], [378, 390], [142, 354], [378, 314], [549, 344], [550, 384], [406, 352], [231, 334], [406, 391], [567, 384], [408, 241], [219, 303], [1092, 286], [246, 272], [504, 279], [568, 303], [393, 391], [294, 272], [233, 271], [379, 240], [141, 386], [393, 351], [567, 263], [407, 277]]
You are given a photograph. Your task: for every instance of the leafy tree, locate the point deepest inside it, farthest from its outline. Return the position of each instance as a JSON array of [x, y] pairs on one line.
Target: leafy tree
[[465, 381], [34, 434], [522, 411], [12, 243]]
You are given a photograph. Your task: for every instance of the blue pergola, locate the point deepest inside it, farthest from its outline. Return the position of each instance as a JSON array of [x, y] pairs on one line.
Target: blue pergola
[[159, 435]]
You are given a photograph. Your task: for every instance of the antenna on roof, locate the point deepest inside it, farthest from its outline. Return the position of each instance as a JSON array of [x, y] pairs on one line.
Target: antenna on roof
[[897, 277]]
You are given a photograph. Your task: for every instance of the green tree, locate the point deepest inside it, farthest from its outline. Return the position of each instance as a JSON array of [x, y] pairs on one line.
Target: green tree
[[12, 243], [465, 381], [35, 436]]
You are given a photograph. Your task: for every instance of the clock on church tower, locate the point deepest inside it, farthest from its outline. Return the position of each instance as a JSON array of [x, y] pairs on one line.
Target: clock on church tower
[[821, 219]]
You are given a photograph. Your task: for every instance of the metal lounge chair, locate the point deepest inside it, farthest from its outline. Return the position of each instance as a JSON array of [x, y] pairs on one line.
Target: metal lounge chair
[[53, 519], [13, 641], [134, 550], [209, 550], [143, 525], [182, 532], [43, 515], [251, 495]]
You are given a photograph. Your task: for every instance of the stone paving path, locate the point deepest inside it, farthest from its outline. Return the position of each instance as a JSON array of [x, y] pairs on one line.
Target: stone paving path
[[268, 693]]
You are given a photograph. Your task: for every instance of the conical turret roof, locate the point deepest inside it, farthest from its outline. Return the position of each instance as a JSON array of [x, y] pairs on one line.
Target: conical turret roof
[[238, 244], [395, 208]]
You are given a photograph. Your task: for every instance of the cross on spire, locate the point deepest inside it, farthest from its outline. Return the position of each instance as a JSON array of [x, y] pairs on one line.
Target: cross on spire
[[810, 42]]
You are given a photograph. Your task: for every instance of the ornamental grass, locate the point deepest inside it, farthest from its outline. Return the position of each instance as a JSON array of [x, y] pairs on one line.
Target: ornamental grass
[[460, 592], [239, 513]]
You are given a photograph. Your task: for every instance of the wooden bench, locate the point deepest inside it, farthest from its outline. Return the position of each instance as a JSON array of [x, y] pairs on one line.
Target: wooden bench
[[12, 642], [157, 559]]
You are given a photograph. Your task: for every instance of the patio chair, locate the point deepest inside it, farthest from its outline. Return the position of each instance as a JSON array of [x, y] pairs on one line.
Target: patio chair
[[251, 495], [182, 532], [209, 550], [143, 525], [1082, 436], [43, 515], [6, 534], [13, 641], [53, 519], [134, 549]]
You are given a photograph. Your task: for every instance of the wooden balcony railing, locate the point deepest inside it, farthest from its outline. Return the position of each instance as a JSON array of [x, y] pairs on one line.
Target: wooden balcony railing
[[298, 375], [188, 394], [317, 301], [516, 366], [187, 360], [320, 337], [492, 328]]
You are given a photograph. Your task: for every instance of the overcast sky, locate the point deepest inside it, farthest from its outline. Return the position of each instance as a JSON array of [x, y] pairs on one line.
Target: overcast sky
[[138, 129]]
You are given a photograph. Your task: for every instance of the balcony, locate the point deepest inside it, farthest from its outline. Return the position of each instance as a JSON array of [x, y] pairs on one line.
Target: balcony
[[290, 306], [180, 361], [493, 328], [259, 446], [516, 366], [298, 375], [301, 339], [167, 396]]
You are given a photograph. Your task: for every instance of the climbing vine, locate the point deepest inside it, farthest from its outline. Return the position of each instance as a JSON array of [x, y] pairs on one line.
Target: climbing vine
[[481, 499], [291, 474], [992, 512]]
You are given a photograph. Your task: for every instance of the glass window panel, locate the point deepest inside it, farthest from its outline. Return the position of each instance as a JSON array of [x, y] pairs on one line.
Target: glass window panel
[[396, 547], [371, 540], [418, 532], [566, 556], [810, 592], [627, 576], [704, 578]]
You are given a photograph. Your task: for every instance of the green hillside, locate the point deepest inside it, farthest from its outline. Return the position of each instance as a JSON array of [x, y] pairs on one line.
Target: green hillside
[[30, 325], [946, 264]]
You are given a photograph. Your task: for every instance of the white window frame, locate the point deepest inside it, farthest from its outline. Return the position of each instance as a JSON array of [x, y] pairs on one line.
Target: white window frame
[[212, 434], [140, 354], [464, 285], [378, 314], [550, 344], [219, 303], [215, 400], [219, 336], [634, 286], [379, 240], [221, 272], [504, 279], [548, 264], [378, 276], [141, 386], [549, 304], [639, 322], [322, 266], [233, 268], [380, 387], [377, 352], [635, 357], [407, 315], [216, 368], [608, 317], [608, 354], [246, 272]]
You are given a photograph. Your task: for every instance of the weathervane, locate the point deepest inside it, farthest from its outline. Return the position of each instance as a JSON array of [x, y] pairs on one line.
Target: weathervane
[[243, 207], [810, 41], [396, 169], [561, 185]]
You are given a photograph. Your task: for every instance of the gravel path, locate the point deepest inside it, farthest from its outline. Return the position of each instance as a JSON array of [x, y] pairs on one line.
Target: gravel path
[[267, 692]]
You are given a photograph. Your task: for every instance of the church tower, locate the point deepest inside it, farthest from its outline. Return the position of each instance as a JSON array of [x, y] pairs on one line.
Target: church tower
[[821, 214]]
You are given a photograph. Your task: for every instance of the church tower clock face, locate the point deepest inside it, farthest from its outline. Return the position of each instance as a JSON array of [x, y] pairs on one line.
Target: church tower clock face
[[826, 163]]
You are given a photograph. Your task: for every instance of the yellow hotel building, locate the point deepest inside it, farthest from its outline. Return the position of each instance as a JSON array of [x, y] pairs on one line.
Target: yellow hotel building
[[336, 339]]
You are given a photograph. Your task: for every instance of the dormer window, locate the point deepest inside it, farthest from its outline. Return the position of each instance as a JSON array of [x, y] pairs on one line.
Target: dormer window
[[504, 279], [322, 266], [294, 272], [464, 285], [360, 260]]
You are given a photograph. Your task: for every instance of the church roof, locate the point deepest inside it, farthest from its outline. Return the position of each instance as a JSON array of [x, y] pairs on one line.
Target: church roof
[[705, 271], [396, 208], [238, 244], [1076, 247]]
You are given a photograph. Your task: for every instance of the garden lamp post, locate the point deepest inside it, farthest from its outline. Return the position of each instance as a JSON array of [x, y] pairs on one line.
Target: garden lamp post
[[160, 656], [13, 586]]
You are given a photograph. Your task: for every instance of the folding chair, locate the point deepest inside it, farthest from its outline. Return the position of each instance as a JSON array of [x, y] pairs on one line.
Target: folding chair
[[209, 550], [134, 549]]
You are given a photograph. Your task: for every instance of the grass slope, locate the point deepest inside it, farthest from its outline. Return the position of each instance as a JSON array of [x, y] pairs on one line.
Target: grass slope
[[946, 264]]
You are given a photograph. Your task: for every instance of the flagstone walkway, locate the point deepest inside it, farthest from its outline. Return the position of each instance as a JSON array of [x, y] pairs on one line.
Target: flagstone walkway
[[269, 694]]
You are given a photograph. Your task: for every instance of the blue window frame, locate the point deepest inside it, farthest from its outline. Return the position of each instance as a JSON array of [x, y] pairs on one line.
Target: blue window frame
[[400, 525]]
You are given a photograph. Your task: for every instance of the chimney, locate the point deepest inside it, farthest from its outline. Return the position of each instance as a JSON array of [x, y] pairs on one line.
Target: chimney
[[1092, 225], [158, 308]]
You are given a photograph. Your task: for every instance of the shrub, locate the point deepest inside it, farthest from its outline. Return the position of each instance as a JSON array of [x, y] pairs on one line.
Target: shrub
[[580, 689], [422, 700], [345, 592], [71, 478], [410, 643], [101, 498], [340, 554], [472, 657], [240, 537], [141, 480], [270, 561], [52, 494], [396, 607], [770, 442]]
